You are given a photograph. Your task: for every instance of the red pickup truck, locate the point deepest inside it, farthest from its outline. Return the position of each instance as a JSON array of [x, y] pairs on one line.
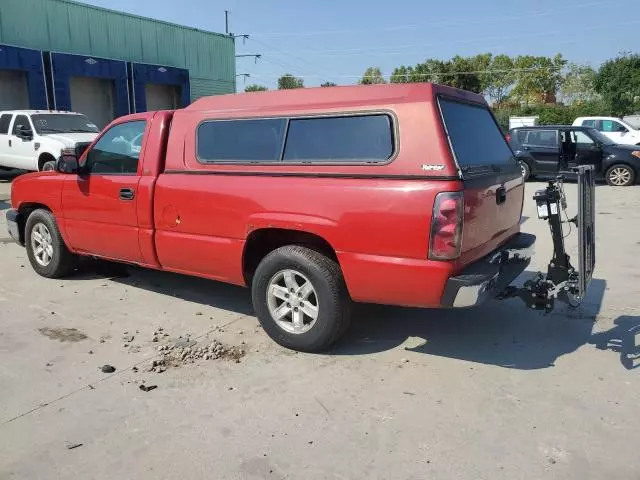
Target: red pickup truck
[[393, 194]]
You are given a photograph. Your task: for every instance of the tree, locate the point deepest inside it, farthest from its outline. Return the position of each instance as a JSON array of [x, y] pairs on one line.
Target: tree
[[618, 81], [401, 74], [537, 78], [289, 82], [255, 88], [499, 78], [329, 84], [579, 84], [372, 76]]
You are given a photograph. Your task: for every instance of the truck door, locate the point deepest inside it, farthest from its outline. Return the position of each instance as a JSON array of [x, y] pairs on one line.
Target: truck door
[[21, 147], [99, 204]]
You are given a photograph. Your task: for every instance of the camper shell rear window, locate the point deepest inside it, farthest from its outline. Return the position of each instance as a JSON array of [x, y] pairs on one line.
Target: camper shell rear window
[[474, 135], [336, 139]]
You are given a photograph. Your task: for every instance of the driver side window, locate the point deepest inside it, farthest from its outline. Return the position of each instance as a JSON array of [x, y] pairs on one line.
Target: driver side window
[[118, 150]]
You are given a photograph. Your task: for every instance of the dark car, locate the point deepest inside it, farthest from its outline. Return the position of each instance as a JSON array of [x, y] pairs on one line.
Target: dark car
[[541, 149]]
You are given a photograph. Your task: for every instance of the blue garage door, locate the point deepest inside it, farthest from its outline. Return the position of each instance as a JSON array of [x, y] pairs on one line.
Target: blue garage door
[[80, 72], [22, 69], [145, 79]]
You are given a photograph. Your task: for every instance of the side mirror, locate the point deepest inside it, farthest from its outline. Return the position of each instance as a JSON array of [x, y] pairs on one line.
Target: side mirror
[[67, 164], [622, 129], [24, 132]]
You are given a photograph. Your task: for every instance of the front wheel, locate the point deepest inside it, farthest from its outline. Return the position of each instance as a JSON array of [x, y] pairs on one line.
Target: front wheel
[[620, 176], [47, 252], [301, 299], [49, 166]]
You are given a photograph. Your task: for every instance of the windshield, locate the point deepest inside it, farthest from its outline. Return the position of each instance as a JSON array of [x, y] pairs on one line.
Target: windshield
[[61, 123], [603, 139]]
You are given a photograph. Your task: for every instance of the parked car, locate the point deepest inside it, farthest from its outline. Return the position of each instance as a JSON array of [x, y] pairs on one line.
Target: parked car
[[392, 194], [539, 150], [616, 129], [34, 139]]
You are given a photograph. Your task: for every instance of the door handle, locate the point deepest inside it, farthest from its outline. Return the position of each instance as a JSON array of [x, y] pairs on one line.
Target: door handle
[[9, 142], [501, 195], [126, 194]]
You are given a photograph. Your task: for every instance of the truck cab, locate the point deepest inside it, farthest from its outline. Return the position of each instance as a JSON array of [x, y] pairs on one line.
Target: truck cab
[[34, 139]]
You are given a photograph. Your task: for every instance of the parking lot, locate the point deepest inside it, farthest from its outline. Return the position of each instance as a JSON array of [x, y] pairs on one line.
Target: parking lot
[[488, 393]]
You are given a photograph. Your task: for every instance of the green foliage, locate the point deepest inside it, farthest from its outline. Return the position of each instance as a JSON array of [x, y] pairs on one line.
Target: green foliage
[[551, 114], [537, 78], [329, 84], [372, 76], [499, 79], [255, 88], [618, 81], [579, 84], [289, 82]]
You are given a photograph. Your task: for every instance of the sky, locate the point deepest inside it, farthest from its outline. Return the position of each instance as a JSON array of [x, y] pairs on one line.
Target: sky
[[336, 40]]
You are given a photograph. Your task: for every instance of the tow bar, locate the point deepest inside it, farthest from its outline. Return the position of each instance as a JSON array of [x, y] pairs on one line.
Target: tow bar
[[562, 281]]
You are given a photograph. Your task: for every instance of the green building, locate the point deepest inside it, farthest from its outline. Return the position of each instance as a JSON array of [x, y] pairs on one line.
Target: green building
[[64, 55]]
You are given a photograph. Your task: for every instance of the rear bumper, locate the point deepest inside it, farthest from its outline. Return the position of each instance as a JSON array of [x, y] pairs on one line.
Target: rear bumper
[[14, 220], [489, 276]]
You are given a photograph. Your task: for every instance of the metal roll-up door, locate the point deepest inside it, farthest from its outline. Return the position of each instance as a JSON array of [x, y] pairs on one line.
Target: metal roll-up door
[[162, 97], [14, 93], [93, 97]]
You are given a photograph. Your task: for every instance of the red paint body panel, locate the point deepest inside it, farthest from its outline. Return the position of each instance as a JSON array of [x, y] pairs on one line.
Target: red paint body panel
[[193, 218]]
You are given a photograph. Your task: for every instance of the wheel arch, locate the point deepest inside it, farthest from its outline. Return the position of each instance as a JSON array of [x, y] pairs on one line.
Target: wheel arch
[[262, 241], [45, 157], [25, 209]]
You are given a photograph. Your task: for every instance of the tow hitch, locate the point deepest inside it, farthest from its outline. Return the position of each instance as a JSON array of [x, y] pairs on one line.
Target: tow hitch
[[562, 281]]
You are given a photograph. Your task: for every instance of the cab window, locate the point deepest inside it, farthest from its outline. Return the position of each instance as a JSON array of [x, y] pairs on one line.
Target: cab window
[[118, 150], [580, 137], [609, 126], [542, 138]]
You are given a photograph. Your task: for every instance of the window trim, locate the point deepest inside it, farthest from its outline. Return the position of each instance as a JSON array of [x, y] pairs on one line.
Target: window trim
[[15, 119], [10, 115], [393, 119], [82, 170]]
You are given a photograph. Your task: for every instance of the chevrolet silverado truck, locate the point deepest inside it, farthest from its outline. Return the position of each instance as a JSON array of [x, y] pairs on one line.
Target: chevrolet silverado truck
[[34, 139], [315, 198]]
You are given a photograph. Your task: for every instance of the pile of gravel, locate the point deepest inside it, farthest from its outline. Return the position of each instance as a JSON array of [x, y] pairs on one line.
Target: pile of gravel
[[182, 352]]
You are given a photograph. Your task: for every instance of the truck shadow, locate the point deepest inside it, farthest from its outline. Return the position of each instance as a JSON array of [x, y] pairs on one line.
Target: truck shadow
[[181, 287], [501, 333]]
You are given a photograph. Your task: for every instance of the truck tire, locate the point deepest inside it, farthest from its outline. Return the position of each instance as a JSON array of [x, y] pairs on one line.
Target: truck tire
[[47, 252], [300, 299], [49, 166], [620, 175]]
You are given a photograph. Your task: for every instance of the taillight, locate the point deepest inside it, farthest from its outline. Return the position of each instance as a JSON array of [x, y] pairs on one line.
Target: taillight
[[508, 137], [446, 226]]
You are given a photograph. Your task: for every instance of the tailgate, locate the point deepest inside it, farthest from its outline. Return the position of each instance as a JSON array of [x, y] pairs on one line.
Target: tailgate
[[493, 184]]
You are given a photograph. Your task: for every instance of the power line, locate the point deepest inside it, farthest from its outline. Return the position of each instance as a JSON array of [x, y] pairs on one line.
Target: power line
[[441, 23], [380, 50], [434, 74]]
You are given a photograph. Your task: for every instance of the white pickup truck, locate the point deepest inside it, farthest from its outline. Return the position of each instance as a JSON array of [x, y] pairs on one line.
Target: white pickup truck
[[34, 139]]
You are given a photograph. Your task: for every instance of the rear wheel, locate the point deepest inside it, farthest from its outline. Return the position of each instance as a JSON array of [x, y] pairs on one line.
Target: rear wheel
[[300, 298], [620, 175], [526, 170], [47, 252]]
